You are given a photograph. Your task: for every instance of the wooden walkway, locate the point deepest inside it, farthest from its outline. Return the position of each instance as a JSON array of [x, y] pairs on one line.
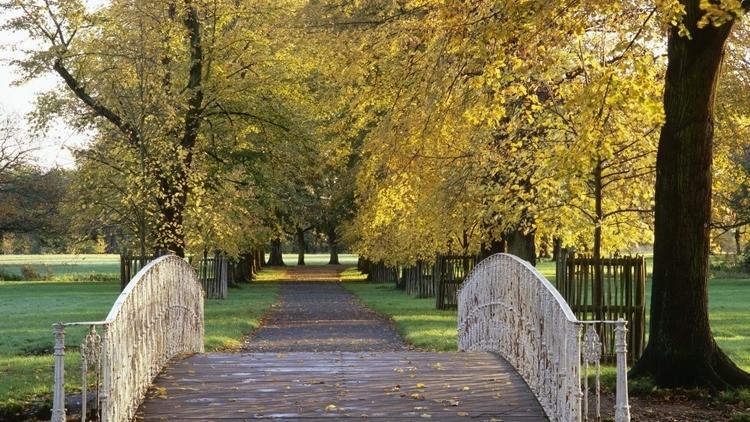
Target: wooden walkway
[[322, 355], [388, 386]]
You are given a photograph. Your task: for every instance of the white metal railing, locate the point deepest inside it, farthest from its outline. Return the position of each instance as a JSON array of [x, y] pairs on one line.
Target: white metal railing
[[505, 306], [157, 316]]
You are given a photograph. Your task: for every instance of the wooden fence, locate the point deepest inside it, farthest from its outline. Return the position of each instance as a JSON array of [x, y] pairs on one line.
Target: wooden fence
[[380, 273], [451, 271], [440, 278], [215, 272], [419, 279], [618, 291], [131, 264]]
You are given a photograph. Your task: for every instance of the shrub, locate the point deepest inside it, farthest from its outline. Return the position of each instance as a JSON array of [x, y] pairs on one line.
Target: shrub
[[30, 273], [7, 276]]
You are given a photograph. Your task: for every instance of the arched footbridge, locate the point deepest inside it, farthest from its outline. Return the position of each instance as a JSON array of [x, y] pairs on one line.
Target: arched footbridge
[[523, 357]]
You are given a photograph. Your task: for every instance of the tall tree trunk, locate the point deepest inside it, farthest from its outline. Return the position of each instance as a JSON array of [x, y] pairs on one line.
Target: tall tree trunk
[[598, 287], [333, 246], [244, 268], [300, 246], [556, 248], [276, 258], [523, 245], [681, 350], [738, 241]]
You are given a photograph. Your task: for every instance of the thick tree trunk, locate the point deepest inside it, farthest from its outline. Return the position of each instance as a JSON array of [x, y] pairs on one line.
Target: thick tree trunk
[[333, 246], [170, 235], [260, 258], [244, 269], [738, 241], [276, 258], [556, 248], [523, 245], [681, 351], [300, 246], [598, 287]]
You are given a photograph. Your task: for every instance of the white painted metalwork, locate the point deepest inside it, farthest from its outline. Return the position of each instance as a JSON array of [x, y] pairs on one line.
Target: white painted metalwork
[[159, 315], [506, 306]]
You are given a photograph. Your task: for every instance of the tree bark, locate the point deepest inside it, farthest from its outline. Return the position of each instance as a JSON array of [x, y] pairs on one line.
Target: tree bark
[[556, 248], [523, 245], [276, 258], [300, 246], [681, 351], [598, 287], [738, 241], [333, 246], [244, 269]]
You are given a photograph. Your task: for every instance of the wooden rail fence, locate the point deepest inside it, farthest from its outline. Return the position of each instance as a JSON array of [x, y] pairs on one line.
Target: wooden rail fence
[[216, 272], [619, 292], [440, 278]]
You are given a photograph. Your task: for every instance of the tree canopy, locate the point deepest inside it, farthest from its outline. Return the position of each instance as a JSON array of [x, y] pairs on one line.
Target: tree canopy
[[410, 128]]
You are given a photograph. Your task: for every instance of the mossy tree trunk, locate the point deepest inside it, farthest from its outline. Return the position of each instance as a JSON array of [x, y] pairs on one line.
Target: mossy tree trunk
[[276, 258], [681, 351]]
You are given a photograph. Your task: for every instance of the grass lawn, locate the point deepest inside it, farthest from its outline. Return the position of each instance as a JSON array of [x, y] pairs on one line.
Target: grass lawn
[[29, 308], [290, 259], [103, 267], [427, 328], [417, 320]]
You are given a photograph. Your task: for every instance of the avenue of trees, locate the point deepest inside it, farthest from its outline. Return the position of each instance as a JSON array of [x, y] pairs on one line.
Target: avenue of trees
[[409, 128]]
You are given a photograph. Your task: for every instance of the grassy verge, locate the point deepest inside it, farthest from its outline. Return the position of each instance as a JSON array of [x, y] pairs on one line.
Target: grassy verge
[[229, 321], [30, 308], [425, 327], [60, 267], [417, 320]]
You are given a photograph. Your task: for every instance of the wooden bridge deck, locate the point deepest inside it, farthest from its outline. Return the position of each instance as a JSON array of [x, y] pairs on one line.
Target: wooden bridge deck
[[389, 386]]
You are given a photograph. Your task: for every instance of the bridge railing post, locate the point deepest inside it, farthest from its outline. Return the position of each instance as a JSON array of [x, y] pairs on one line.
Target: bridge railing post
[[58, 398], [622, 406]]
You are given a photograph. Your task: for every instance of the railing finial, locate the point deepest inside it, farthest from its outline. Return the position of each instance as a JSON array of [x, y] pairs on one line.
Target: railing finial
[[58, 399], [622, 407]]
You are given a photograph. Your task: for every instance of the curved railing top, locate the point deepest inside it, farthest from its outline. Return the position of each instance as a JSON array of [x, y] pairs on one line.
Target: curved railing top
[[139, 278], [506, 306], [157, 316], [526, 265]]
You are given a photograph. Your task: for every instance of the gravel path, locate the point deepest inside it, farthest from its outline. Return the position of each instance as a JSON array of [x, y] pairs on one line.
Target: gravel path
[[316, 314]]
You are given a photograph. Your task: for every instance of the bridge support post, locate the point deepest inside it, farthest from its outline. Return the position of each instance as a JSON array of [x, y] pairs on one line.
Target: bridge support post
[[622, 407], [58, 399]]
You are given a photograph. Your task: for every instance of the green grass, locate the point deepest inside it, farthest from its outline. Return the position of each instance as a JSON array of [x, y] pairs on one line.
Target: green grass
[[103, 267], [290, 259], [729, 313], [425, 327], [229, 321], [417, 320], [29, 308]]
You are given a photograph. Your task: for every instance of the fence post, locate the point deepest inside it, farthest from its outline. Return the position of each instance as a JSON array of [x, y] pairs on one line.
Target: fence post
[[58, 399], [622, 407]]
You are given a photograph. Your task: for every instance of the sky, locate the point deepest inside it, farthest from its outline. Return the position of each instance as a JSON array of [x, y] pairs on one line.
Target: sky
[[54, 148]]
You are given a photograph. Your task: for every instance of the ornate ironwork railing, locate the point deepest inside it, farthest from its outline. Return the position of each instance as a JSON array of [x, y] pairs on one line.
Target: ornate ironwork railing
[[506, 306], [157, 316]]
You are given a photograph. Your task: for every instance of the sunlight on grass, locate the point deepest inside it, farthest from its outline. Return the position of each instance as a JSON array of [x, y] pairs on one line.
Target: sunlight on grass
[[30, 308], [417, 320], [352, 274]]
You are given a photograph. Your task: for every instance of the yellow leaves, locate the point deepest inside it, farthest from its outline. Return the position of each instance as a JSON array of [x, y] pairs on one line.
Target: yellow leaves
[[331, 408], [719, 13]]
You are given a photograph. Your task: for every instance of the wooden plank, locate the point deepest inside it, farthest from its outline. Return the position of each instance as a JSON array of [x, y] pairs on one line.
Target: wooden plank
[[341, 385]]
